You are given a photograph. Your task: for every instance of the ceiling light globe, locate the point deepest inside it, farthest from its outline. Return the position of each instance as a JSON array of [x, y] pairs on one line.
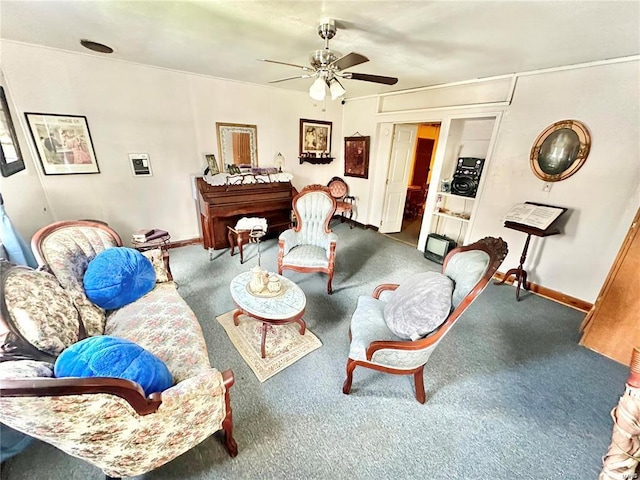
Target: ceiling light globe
[[336, 89], [317, 89]]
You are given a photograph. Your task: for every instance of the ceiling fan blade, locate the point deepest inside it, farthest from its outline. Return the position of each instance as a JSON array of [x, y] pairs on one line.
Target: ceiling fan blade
[[349, 60], [371, 78], [290, 78], [306, 69]]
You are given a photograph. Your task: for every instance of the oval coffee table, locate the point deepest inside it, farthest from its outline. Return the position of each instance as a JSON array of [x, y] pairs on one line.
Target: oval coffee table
[[288, 307]]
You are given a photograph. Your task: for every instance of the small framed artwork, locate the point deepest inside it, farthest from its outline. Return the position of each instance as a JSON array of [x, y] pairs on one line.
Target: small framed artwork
[[140, 164], [212, 165], [356, 156], [10, 157], [63, 143], [315, 138]]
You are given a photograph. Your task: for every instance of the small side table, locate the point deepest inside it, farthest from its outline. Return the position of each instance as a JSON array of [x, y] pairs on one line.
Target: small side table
[[289, 307], [163, 244]]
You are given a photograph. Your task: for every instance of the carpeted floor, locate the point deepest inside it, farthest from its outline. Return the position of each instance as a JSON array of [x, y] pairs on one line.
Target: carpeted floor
[[510, 394]]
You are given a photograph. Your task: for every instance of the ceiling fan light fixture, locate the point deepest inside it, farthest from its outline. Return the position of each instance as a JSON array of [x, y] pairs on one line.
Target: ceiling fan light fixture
[[317, 90], [336, 89]]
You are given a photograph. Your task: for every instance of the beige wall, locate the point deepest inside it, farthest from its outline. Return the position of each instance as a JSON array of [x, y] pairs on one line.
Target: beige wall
[[138, 109], [603, 196]]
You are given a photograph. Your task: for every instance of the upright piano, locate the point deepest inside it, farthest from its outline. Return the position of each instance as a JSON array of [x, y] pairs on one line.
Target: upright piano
[[223, 205]]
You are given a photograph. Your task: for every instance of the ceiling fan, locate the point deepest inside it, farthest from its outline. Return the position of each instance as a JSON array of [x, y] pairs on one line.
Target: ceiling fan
[[328, 65]]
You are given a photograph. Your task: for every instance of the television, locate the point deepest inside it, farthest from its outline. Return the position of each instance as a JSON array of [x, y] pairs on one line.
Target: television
[[437, 247]]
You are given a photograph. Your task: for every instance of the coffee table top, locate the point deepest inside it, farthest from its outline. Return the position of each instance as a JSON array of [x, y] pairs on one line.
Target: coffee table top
[[290, 303]]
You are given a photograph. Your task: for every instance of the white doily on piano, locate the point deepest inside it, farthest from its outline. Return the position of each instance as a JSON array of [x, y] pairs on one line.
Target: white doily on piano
[[220, 179]]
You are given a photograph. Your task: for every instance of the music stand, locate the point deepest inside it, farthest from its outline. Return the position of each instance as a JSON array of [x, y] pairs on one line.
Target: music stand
[[519, 272]]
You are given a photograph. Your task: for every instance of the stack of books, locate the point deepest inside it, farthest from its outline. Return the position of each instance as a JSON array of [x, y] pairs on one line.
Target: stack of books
[[148, 234]]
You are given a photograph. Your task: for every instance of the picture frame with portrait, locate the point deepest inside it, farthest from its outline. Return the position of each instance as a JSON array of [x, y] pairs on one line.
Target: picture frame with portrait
[[63, 143], [356, 156], [315, 138]]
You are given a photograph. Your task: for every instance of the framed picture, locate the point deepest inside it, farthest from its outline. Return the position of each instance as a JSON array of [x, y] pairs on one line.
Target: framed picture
[[63, 143], [10, 157], [212, 164], [315, 138], [356, 156]]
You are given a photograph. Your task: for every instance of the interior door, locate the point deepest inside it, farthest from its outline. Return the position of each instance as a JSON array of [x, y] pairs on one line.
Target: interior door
[[402, 150]]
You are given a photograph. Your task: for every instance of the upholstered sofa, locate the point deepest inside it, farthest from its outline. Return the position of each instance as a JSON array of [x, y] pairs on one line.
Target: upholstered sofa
[[108, 422]]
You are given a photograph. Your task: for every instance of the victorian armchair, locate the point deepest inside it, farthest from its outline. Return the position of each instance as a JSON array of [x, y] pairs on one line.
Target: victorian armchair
[[344, 202], [375, 346], [108, 422], [311, 245]]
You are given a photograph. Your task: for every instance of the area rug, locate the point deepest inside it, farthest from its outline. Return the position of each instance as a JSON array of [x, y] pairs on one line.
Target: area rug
[[284, 344]]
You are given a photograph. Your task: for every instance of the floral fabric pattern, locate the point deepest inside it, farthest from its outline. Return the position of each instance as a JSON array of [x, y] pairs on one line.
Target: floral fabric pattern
[[41, 310], [155, 256], [105, 431], [67, 252], [25, 369], [162, 323]]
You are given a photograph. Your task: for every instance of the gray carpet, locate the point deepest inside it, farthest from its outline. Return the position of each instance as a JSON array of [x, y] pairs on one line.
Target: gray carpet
[[510, 394]]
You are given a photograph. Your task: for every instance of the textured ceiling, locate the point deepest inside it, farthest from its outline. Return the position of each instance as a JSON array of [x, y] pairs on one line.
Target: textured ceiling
[[421, 42]]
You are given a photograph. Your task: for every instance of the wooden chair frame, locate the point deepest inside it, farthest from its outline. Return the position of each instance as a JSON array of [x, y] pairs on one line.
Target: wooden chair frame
[[332, 247], [350, 199], [497, 251]]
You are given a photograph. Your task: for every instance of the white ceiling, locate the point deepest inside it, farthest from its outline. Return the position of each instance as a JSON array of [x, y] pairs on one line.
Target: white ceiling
[[421, 42]]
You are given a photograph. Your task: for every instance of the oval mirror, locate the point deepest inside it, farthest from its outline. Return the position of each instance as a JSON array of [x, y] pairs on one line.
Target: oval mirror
[[560, 150]]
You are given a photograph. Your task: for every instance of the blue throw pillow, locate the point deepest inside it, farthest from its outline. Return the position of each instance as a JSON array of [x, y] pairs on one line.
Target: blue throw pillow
[[117, 277], [105, 356]]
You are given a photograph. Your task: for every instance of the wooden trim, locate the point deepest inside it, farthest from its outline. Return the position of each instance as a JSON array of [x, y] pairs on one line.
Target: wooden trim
[[55, 387], [129, 391], [184, 243], [559, 297], [39, 237]]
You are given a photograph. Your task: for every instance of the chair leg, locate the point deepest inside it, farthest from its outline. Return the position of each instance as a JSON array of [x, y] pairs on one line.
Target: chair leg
[[329, 287], [419, 380], [351, 366], [350, 218], [107, 477], [229, 443]]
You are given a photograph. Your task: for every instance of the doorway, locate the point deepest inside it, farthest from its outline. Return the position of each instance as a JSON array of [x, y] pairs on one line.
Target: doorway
[[408, 221]]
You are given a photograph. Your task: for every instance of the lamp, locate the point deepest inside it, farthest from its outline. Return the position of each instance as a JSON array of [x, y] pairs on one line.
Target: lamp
[[317, 89], [279, 161], [336, 89]]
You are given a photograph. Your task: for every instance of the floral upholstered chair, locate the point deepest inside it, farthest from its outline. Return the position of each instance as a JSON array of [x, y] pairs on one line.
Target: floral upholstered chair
[[108, 422], [311, 245], [378, 340]]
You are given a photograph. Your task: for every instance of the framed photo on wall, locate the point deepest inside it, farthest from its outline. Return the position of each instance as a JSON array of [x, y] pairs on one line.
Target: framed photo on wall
[[10, 156], [63, 143], [356, 156], [315, 138]]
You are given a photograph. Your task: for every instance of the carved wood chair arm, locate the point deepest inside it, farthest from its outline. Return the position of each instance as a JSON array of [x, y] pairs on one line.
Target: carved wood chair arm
[[382, 287], [402, 345], [55, 387], [349, 198]]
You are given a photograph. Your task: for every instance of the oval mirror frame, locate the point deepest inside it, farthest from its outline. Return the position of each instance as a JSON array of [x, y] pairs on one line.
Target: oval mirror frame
[[557, 155]]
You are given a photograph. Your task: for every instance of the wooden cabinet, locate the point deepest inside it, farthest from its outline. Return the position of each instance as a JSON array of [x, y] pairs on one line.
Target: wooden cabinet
[[612, 327]]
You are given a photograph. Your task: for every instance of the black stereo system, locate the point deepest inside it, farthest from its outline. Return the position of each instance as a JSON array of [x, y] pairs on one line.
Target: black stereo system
[[467, 176]]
